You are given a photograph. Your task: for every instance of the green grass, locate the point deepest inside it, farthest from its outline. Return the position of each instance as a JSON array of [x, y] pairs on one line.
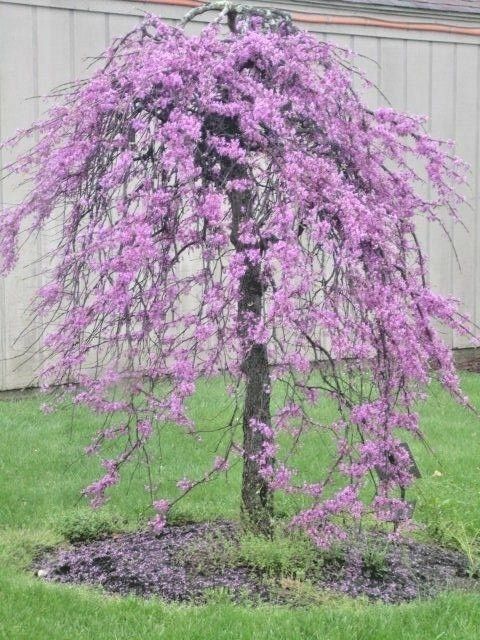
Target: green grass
[[43, 469]]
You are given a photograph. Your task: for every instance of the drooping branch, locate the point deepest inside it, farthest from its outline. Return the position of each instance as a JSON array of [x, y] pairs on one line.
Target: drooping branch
[[271, 18]]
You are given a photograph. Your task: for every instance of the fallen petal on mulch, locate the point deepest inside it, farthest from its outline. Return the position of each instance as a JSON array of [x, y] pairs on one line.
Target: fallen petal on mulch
[[164, 565]]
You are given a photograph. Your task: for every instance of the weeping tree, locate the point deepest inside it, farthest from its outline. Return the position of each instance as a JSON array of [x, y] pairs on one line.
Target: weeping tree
[[226, 204]]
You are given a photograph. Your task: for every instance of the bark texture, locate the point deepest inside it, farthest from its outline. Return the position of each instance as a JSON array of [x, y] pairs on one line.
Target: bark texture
[[257, 497]]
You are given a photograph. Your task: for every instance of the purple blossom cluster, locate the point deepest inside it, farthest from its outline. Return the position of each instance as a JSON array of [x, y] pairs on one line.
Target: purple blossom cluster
[[139, 167]]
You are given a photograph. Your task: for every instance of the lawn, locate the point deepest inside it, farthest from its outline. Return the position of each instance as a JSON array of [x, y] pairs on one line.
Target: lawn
[[43, 469]]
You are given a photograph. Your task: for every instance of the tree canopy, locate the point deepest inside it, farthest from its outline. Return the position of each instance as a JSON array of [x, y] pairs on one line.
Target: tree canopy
[[228, 204]]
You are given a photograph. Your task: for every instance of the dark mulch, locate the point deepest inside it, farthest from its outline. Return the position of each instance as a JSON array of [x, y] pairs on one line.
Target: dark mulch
[[184, 562]]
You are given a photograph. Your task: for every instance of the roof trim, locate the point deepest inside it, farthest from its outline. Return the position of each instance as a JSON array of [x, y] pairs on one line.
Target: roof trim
[[346, 20], [380, 6], [385, 24]]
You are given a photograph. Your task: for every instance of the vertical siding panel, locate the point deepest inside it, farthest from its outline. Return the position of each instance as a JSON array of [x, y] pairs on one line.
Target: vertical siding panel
[[194, 28], [366, 60], [120, 25], [18, 82], [177, 13], [341, 40], [465, 135], [107, 30], [442, 125], [417, 101], [88, 41], [55, 68], [392, 70], [321, 37]]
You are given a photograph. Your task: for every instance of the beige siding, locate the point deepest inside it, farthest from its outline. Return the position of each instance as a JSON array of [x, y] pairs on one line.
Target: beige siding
[[47, 42]]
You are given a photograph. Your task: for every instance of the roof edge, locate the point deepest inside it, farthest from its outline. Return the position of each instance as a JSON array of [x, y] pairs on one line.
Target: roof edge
[[364, 8]]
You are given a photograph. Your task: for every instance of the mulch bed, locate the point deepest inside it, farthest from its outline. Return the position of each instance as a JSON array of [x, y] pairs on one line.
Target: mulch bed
[[184, 562]]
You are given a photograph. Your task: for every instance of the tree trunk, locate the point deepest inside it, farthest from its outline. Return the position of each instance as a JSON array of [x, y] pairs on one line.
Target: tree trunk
[[257, 497]]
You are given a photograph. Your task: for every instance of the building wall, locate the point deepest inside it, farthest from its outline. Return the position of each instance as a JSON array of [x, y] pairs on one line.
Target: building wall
[[44, 43]]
